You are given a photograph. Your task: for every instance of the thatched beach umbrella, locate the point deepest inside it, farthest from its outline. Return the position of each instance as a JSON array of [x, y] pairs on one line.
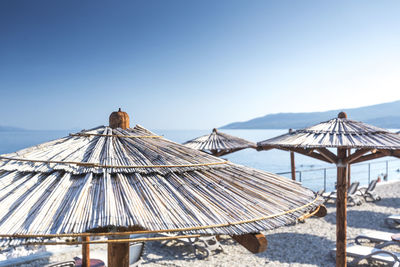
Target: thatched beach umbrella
[[368, 141], [119, 181], [218, 143]]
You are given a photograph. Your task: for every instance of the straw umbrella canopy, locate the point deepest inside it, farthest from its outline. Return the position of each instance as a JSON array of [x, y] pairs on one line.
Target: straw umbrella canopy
[[369, 142], [134, 181], [218, 143]]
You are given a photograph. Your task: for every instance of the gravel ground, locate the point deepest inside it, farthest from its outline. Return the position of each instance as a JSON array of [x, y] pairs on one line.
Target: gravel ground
[[302, 244]]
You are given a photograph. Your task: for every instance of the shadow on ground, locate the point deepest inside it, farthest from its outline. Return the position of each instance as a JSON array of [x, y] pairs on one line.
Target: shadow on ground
[[390, 202], [171, 250], [362, 219], [295, 244]]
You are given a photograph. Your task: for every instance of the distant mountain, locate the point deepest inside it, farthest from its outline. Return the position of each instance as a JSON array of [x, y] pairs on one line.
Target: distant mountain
[[10, 129], [386, 115]]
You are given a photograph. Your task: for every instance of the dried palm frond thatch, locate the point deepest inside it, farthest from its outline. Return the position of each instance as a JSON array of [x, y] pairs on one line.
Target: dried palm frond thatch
[[133, 179], [337, 132], [218, 143]]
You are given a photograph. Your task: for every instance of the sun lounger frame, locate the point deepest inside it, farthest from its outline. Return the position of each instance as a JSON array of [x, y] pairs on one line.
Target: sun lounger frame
[[373, 236], [352, 197], [393, 221], [368, 192], [360, 253]]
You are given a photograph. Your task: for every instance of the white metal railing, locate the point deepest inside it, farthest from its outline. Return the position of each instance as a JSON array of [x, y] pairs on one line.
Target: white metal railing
[[362, 172]]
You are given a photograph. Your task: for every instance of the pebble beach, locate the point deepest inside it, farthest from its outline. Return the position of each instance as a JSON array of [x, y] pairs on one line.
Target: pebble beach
[[301, 244]]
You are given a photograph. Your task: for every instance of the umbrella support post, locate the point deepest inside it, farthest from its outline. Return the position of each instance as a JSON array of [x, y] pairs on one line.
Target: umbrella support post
[[118, 253], [85, 252], [348, 176], [255, 243], [341, 212], [292, 166]]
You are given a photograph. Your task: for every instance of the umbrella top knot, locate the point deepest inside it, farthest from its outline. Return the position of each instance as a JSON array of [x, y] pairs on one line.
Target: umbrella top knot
[[342, 115], [215, 130], [119, 119]]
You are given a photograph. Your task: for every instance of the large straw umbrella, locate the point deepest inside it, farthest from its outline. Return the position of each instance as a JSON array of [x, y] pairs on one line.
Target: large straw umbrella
[[116, 180], [218, 143], [368, 141]]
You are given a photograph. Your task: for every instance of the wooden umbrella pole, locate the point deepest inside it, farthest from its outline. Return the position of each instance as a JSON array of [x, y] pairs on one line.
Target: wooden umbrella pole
[[118, 254], [293, 166], [341, 213], [348, 175], [85, 252], [348, 170], [292, 163]]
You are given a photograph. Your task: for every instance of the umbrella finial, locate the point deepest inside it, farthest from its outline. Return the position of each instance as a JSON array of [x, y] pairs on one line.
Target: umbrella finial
[[215, 130], [119, 119], [342, 115]]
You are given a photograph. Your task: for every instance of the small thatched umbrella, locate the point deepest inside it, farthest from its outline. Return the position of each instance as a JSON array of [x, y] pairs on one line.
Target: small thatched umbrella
[[114, 181], [370, 143], [219, 144]]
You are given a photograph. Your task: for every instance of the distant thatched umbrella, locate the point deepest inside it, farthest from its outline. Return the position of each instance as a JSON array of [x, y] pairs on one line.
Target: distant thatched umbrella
[[133, 180], [219, 144], [370, 143]]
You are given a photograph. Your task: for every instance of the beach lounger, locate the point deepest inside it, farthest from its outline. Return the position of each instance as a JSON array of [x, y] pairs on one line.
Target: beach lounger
[[373, 236], [352, 197], [393, 221], [360, 253], [368, 192]]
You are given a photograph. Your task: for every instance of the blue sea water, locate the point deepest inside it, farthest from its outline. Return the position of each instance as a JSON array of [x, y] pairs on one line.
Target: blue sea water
[[310, 171]]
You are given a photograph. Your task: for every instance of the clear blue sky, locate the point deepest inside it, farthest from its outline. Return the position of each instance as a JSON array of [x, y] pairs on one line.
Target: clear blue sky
[[192, 64]]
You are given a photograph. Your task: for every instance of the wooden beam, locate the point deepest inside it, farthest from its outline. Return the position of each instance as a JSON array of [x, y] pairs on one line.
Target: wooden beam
[[214, 152], [265, 147], [341, 212], [225, 152], [306, 152], [254, 243], [85, 252], [118, 255], [328, 155], [356, 155], [396, 154], [292, 166], [391, 153], [218, 153], [369, 157], [386, 152]]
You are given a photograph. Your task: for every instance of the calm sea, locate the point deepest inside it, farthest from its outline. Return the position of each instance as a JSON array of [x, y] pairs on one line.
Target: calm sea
[[313, 173]]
